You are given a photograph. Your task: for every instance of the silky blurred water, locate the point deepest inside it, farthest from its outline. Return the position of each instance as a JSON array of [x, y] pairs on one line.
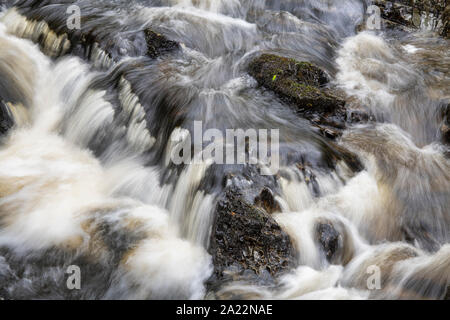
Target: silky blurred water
[[84, 178]]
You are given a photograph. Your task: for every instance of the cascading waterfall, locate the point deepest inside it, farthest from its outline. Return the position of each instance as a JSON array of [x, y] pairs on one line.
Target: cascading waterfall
[[85, 172], [37, 173]]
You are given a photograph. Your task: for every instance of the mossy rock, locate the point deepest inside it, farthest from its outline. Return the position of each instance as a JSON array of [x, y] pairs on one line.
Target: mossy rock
[[302, 85], [295, 82]]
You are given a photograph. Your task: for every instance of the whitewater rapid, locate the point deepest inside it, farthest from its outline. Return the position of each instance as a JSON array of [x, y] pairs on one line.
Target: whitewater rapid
[[85, 177]]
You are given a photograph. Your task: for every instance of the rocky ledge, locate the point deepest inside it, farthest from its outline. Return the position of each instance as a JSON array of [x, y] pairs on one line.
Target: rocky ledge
[[247, 244], [43, 25], [303, 86], [416, 14]]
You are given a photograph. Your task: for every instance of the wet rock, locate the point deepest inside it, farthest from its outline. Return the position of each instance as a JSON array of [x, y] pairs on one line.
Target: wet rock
[[328, 238], [6, 120], [158, 44], [43, 272], [445, 131], [46, 275], [295, 82], [101, 43], [267, 201], [446, 23], [398, 13], [419, 14], [302, 85], [334, 241], [246, 242], [335, 153]]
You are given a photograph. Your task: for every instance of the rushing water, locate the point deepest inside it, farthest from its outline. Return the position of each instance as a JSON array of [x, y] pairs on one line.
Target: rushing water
[[85, 177]]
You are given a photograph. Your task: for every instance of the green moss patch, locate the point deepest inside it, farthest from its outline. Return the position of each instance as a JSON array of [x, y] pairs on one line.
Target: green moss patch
[[295, 82]]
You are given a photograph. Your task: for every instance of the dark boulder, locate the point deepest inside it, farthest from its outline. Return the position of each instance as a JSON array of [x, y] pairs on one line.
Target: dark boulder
[[247, 243], [328, 238], [158, 44], [334, 241], [295, 82], [445, 131], [6, 120], [266, 200], [302, 85]]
